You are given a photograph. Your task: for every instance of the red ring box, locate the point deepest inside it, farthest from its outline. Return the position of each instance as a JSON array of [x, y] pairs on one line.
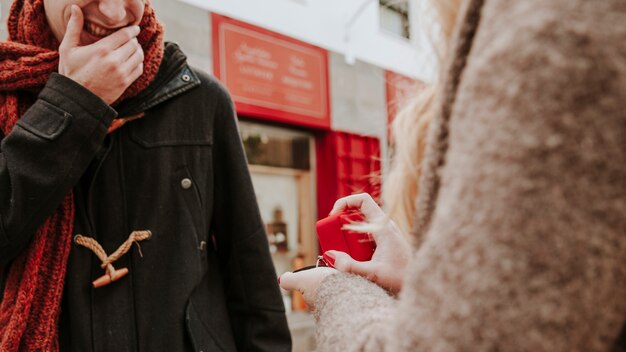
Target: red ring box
[[332, 236]]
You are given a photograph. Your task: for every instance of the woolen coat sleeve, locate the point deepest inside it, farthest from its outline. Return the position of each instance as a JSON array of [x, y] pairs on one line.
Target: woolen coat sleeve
[[255, 305], [526, 246], [44, 156]]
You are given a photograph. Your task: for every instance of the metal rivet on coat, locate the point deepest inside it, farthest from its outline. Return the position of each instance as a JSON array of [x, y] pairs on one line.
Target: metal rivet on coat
[[186, 78], [185, 183]]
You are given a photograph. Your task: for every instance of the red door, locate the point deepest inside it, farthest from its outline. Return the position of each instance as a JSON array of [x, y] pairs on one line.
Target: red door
[[346, 164]]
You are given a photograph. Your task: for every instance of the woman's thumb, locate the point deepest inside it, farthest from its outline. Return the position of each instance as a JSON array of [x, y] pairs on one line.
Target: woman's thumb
[[74, 28], [344, 263]]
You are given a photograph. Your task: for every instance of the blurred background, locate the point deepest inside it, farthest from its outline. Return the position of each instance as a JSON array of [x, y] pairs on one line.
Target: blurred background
[[316, 84]]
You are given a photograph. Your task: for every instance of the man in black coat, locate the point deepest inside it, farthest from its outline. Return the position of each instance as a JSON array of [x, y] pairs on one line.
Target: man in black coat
[[204, 280]]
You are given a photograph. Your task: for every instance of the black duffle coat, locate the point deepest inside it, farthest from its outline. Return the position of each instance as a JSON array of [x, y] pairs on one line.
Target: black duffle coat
[[205, 281]]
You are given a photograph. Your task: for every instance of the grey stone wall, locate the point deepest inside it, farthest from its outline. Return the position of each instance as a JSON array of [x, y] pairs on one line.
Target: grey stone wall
[[190, 28], [358, 99]]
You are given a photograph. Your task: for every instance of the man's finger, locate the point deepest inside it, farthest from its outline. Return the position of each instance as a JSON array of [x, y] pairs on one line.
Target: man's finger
[[119, 38], [128, 50], [74, 29], [136, 72], [136, 59]]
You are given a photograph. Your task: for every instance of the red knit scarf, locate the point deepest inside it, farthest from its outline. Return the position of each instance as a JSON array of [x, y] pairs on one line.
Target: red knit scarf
[[30, 308]]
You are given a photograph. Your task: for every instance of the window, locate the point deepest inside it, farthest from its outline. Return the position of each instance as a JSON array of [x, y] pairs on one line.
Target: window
[[282, 167], [394, 17], [276, 147]]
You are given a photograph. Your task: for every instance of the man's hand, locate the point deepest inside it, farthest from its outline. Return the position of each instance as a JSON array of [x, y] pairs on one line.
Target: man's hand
[[106, 67]]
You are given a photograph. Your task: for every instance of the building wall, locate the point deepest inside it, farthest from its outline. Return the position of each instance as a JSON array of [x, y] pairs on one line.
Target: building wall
[[347, 27], [358, 100], [189, 27]]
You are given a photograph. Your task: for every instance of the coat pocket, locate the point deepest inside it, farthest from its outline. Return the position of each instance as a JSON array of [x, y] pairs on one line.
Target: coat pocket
[[186, 184], [169, 130], [45, 120]]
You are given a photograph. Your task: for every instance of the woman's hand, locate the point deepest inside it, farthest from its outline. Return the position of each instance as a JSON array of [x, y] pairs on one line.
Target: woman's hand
[[107, 67], [386, 268], [393, 251], [305, 281]]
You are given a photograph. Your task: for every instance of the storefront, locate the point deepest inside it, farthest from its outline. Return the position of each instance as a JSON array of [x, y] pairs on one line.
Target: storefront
[[299, 164]]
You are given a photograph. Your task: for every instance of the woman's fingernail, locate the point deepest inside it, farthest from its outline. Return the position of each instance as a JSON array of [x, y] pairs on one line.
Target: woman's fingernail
[[329, 258], [279, 279]]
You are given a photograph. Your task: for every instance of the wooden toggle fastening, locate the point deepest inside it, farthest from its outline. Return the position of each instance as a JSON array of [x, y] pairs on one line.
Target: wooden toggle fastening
[[106, 279], [112, 274]]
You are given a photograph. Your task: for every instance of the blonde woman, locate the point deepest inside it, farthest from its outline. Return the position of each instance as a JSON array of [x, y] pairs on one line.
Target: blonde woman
[[519, 231]]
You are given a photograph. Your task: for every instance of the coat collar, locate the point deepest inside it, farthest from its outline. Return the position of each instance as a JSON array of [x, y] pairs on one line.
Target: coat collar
[[174, 78]]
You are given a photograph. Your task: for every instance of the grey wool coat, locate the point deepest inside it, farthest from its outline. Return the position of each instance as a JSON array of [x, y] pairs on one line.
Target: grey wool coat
[[522, 215]]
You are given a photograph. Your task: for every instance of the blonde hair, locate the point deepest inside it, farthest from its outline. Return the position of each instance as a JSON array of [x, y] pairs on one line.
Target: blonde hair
[[409, 128]]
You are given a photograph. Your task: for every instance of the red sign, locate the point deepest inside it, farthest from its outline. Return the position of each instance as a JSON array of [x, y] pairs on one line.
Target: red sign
[[400, 91], [270, 75]]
